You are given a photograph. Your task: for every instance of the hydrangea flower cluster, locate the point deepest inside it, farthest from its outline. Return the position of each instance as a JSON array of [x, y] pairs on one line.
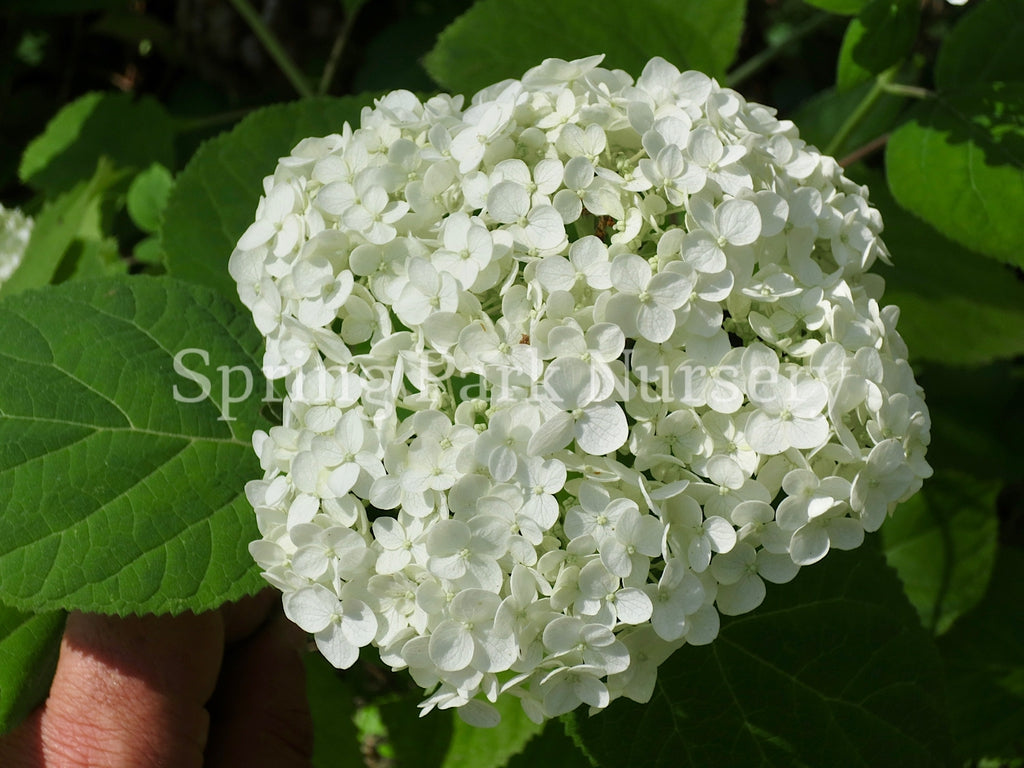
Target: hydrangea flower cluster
[[570, 371], [15, 230]]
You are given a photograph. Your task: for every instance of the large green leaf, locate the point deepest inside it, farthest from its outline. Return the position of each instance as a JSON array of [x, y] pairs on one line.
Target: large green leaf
[[29, 643], [498, 39], [955, 307], [958, 163], [880, 37], [214, 198], [832, 670], [73, 216], [984, 47], [131, 133], [119, 495], [943, 545], [984, 658]]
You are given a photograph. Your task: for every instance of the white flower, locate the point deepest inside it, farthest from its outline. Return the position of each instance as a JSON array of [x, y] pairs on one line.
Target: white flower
[[570, 372], [340, 626], [644, 303], [15, 231]]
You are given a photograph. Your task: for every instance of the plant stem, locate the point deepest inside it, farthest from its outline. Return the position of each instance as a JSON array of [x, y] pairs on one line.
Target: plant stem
[[273, 46], [754, 64], [910, 91], [857, 116], [336, 50], [863, 151]]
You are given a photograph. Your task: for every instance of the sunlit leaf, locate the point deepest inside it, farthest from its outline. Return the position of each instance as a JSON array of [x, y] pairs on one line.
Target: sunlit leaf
[[125, 447], [959, 165], [131, 133]]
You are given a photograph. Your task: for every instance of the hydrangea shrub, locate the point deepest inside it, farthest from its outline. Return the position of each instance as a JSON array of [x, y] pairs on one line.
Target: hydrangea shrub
[[571, 370]]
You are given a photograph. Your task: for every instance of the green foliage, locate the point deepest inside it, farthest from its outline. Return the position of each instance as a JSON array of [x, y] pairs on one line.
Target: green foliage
[[67, 221], [958, 163], [133, 134], [943, 545], [215, 196], [116, 497], [147, 197], [332, 706], [984, 659], [881, 36], [119, 497], [984, 48], [955, 308], [832, 656], [472, 747], [443, 740], [497, 39], [28, 656], [552, 746]]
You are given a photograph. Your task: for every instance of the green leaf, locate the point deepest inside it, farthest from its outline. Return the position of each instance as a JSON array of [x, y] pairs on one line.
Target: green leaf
[[29, 643], [958, 163], [214, 198], [120, 495], [149, 250], [442, 740], [61, 223], [473, 747], [882, 35], [91, 258], [130, 133], [943, 544], [832, 670], [552, 746], [332, 706], [955, 307], [845, 7], [984, 47], [147, 197], [497, 39], [984, 658]]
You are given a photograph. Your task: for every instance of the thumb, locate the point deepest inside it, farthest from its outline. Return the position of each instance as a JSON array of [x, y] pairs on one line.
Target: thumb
[[126, 692]]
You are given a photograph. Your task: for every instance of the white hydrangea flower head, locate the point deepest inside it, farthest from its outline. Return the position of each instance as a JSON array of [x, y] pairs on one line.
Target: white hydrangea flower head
[[571, 370], [15, 230]]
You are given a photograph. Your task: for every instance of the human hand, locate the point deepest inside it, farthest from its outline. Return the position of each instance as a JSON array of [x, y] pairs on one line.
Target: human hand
[[225, 688]]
